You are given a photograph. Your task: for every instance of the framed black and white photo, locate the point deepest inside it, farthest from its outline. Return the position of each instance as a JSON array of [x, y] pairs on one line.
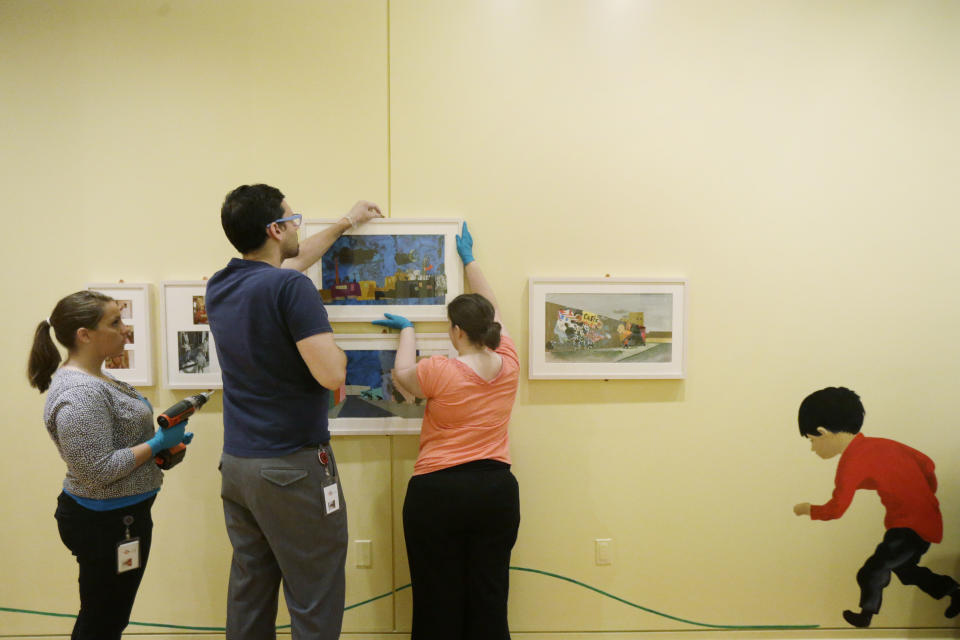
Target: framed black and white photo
[[189, 357]]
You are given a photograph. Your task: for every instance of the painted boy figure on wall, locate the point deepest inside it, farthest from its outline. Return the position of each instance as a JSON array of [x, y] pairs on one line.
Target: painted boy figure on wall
[[903, 477]]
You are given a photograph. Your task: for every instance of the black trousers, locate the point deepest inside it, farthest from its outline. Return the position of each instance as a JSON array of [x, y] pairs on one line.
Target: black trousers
[[106, 597], [899, 553], [460, 525]]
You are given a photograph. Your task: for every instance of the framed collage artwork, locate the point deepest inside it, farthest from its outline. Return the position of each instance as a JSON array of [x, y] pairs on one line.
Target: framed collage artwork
[[189, 357], [135, 365], [607, 328], [387, 265], [371, 402]]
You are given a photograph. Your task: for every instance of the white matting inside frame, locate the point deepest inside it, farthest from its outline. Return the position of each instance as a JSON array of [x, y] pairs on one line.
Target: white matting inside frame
[[135, 365], [607, 328], [189, 356]]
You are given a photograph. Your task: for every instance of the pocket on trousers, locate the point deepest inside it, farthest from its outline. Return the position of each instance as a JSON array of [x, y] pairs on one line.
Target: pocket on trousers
[[66, 528], [74, 527], [283, 477]]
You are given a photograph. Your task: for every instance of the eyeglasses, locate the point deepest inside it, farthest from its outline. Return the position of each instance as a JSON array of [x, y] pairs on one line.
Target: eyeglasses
[[296, 219]]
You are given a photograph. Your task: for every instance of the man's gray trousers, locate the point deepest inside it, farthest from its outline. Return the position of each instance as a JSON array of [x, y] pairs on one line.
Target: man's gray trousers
[[279, 529]]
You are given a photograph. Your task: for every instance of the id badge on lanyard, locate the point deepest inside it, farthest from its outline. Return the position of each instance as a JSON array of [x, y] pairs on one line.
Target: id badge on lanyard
[[331, 492], [128, 550]]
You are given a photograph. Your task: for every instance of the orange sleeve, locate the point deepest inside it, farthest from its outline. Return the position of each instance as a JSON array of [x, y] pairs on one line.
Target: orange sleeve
[[508, 349], [430, 373]]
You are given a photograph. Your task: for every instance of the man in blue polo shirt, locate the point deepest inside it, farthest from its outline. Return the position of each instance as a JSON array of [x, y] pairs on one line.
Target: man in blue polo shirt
[[282, 499]]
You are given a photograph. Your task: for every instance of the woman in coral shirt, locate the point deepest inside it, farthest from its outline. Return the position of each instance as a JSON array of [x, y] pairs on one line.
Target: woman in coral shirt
[[462, 509]]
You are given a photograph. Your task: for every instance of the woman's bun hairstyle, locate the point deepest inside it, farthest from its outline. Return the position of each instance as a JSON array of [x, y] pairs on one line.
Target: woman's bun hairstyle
[[492, 336], [474, 315]]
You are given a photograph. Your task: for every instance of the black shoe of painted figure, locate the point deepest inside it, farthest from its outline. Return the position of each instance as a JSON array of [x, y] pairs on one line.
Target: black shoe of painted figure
[[954, 609], [861, 619]]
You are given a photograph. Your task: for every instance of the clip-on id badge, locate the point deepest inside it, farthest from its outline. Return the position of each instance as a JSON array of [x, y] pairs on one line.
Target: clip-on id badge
[[128, 550], [331, 494]]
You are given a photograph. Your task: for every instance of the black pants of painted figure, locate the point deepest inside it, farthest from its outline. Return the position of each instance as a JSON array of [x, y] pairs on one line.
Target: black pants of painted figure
[[899, 553]]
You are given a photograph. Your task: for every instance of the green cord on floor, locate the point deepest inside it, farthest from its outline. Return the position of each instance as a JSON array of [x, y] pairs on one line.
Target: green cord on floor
[[407, 586]]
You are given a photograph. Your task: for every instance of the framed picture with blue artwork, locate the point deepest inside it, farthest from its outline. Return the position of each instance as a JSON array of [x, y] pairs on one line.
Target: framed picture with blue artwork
[[608, 328], [389, 265], [371, 402]]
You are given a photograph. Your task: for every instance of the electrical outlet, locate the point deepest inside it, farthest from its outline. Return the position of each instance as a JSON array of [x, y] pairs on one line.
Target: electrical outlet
[[603, 548], [364, 553]]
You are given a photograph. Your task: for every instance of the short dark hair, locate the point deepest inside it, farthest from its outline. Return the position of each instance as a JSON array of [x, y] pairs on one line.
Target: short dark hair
[[246, 212], [836, 409], [474, 314]]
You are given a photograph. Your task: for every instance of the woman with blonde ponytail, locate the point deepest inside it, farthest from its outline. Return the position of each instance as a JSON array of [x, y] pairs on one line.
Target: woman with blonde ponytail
[[103, 429], [462, 509]]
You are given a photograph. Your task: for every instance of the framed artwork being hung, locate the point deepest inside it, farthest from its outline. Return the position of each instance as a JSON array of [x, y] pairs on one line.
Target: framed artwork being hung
[[389, 265], [189, 357], [135, 365], [607, 328], [371, 402]]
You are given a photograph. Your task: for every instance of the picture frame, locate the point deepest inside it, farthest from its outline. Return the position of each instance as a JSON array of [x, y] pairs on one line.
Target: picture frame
[[189, 354], [608, 328], [388, 265], [135, 365], [370, 403]]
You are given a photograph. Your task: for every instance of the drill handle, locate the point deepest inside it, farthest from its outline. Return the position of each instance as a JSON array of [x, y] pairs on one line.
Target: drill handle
[[171, 457]]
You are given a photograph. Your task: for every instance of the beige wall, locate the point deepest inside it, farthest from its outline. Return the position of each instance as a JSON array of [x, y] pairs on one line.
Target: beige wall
[[797, 161]]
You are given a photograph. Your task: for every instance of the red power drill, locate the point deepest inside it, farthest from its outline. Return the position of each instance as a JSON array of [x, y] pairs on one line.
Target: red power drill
[[174, 416]]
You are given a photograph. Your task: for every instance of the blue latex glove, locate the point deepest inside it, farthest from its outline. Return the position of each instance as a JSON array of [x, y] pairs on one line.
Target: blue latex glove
[[393, 321], [166, 438], [465, 246]]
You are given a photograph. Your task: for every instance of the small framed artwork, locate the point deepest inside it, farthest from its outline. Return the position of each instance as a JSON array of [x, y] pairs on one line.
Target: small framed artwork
[[371, 402], [410, 267], [135, 365], [607, 328], [189, 357]]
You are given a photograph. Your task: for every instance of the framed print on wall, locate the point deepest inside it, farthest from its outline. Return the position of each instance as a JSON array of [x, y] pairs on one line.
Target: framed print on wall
[[387, 265], [371, 402], [607, 328], [189, 357], [135, 365]]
